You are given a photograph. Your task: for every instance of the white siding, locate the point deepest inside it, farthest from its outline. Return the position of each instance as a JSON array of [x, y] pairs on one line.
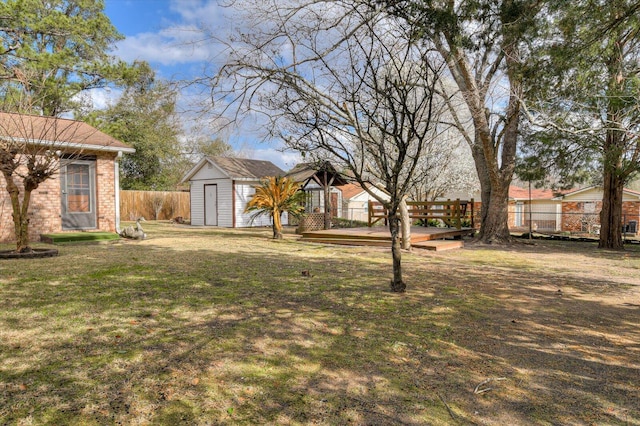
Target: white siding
[[244, 192], [595, 194], [224, 201]]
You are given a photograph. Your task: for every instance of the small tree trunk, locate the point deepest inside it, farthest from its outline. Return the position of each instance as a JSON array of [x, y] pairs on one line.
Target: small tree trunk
[[611, 213], [277, 225], [406, 224], [397, 285], [19, 213]]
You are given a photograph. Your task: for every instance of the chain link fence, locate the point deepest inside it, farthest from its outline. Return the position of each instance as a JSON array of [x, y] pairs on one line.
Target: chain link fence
[[568, 223]]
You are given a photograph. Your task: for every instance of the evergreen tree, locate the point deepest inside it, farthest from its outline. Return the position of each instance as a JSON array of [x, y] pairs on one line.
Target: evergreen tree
[[50, 51], [145, 118]]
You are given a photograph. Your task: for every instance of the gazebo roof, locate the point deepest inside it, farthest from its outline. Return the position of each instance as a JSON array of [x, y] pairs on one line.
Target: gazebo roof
[[322, 173]]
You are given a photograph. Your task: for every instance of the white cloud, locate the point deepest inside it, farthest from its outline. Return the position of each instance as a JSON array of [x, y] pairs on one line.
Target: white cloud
[[180, 38], [173, 46]]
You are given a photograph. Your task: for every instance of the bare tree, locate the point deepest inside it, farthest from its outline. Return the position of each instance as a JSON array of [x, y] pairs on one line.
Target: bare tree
[[340, 81], [484, 44]]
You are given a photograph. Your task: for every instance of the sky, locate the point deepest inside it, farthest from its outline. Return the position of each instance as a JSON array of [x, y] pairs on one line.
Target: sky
[[166, 34]]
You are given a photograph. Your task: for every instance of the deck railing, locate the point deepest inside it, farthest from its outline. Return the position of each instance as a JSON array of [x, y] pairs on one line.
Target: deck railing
[[451, 212]]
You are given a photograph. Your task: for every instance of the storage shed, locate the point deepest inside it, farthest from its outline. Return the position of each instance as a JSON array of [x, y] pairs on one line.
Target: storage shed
[[221, 188]]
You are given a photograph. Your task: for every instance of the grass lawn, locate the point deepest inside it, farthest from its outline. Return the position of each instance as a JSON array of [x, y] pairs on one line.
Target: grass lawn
[[227, 327]]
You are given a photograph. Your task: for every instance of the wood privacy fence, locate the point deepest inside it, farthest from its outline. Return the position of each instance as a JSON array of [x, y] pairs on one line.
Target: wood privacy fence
[[154, 205]]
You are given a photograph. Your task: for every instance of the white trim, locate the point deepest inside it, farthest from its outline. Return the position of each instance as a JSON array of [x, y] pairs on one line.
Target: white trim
[[73, 145], [116, 183]]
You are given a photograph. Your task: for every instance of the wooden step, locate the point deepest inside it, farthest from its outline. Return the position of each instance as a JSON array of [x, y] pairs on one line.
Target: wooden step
[[439, 245]]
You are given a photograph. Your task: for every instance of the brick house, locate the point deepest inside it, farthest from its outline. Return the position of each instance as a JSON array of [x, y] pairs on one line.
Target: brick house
[[581, 210], [83, 194]]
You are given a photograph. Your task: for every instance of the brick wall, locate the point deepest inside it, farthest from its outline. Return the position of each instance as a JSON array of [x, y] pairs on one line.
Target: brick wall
[[576, 219], [105, 193], [45, 207]]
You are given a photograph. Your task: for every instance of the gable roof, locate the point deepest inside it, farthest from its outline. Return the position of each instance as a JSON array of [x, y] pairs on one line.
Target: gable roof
[[57, 132], [237, 168], [518, 193], [244, 168], [305, 172], [592, 187], [350, 190]]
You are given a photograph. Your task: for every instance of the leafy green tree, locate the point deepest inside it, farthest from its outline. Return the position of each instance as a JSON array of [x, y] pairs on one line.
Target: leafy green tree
[[587, 114], [145, 117], [202, 146], [51, 51], [273, 197]]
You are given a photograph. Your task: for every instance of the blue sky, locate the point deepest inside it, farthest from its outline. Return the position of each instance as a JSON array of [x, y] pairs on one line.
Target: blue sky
[[166, 33]]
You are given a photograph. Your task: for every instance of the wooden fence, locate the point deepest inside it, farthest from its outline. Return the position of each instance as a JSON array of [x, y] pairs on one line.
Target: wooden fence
[[451, 212], [154, 205]]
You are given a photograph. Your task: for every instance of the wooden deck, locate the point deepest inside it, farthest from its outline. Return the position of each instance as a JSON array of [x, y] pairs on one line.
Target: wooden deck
[[429, 238]]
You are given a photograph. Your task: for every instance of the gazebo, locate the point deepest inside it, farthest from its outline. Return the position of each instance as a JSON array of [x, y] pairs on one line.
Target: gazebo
[[319, 178]]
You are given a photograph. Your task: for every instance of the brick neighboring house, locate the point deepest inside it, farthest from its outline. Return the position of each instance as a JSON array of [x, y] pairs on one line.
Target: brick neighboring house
[[581, 210], [83, 194]]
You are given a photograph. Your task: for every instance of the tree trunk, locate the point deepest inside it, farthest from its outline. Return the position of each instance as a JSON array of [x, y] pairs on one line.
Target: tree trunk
[[397, 285], [485, 184], [406, 224], [277, 225], [611, 213], [20, 212], [495, 226]]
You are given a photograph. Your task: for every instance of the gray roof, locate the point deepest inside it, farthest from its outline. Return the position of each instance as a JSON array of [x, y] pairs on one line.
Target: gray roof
[[304, 172], [244, 168]]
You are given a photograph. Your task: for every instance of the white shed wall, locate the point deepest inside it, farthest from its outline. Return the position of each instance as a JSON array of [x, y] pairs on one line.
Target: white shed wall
[[224, 201]]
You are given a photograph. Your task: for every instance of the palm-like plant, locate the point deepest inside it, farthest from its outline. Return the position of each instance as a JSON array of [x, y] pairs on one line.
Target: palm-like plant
[[274, 196]]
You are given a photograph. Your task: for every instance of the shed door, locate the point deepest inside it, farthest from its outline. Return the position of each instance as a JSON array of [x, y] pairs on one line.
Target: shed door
[[78, 186], [211, 205]]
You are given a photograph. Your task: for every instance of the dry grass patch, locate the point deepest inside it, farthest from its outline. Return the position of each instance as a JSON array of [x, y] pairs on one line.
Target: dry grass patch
[[214, 326]]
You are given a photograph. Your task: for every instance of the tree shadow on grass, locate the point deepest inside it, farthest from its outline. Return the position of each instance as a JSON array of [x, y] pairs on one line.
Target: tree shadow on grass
[[202, 336]]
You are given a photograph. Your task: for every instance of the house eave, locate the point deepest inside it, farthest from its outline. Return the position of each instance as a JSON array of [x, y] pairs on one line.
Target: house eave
[[73, 145]]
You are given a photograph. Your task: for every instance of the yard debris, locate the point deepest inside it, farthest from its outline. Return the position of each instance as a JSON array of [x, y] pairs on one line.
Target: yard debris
[[479, 389], [451, 413]]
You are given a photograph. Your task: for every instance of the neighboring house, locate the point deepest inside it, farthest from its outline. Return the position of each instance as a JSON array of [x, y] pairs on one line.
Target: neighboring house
[[576, 211], [319, 181], [541, 207], [84, 194], [221, 187], [581, 208], [355, 201]]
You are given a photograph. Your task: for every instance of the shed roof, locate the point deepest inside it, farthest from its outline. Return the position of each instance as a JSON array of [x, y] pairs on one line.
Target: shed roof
[[57, 132], [246, 168], [238, 168]]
